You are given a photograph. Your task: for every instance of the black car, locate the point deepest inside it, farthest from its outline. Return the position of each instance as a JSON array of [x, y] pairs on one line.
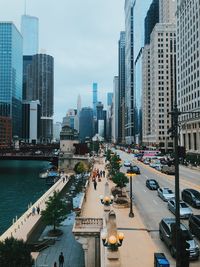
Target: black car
[[165, 232], [135, 169], [192, 197], [152, 184], [194, 225]]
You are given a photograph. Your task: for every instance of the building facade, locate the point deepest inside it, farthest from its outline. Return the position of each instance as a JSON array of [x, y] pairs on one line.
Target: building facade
[[40, 86], [95, 98], [115, 110], [31, 114], [188, 69], [86, 124], [29, 30], [5, 132], [11, 75]]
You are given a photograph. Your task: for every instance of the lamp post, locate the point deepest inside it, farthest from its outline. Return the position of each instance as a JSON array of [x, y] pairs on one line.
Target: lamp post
[[106, 200], [130, 174], [112, 242]]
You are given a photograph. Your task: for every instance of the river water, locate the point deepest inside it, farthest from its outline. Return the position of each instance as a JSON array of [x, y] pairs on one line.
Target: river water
[[19, 185]]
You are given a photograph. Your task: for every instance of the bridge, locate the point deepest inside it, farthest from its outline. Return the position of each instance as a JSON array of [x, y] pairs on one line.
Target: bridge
[[22, 156]]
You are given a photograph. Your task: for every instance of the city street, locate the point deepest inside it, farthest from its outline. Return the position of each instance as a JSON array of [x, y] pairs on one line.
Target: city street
[[151, 207]]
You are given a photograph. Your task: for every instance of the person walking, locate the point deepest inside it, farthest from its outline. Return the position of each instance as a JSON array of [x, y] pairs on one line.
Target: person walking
[[38, 210], [61, 260], [95, 185], [33, 211], [55, 264], [104, 173]]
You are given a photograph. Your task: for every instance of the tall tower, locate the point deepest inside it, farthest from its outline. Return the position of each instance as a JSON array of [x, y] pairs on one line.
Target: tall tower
[[40, 86], [11, 75], [94, 91], [29, 30]]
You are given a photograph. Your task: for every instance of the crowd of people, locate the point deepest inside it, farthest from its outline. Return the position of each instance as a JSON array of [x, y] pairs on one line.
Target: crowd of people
[[97, 175]]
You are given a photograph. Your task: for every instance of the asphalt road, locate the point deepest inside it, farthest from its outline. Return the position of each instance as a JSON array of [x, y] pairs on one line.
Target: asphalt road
[[151, 207]]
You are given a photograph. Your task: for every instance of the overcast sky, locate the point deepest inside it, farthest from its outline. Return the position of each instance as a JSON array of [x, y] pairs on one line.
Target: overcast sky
[[82, 36]]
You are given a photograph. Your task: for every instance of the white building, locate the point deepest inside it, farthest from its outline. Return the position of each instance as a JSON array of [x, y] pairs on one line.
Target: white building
[[188, 72]]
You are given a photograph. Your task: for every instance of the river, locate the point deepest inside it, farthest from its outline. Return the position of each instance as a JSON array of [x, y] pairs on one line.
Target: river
[[19, 185]]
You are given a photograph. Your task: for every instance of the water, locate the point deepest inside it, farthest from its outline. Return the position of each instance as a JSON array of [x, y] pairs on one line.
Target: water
[[19, 186]]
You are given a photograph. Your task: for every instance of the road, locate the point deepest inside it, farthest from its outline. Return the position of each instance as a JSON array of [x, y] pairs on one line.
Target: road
[[152, 208]]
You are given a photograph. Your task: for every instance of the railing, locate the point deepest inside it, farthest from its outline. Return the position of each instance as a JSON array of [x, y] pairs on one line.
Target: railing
[[88, 223], [12, 230]]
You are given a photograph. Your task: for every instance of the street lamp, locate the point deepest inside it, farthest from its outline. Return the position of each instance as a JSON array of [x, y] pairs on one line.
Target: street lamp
[[106, 200], [130, 173], [113, 241]]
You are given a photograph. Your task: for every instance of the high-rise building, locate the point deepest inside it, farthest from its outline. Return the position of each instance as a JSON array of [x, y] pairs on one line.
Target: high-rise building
[[76, 119], [109, 98], [40, 86], [11, 75], [115, 110], [57, 127], [29, 30], [27, 60], [95, 98], [5, 132], [70, 118], [167, 11], [31, 114], [121, 79], [188, 69], [86, 119]]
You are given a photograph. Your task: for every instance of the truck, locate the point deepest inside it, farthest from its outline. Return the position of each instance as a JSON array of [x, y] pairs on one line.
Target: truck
[[168, 169]]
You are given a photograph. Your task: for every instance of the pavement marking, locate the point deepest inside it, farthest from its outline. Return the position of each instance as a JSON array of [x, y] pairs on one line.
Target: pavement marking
[[146, 176], [155, 202], [145, 190]]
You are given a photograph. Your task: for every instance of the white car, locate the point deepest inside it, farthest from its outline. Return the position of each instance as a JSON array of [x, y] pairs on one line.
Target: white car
[[127, 163], [165, 193]]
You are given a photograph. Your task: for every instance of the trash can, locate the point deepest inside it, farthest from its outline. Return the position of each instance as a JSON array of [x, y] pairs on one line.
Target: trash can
[[160, 260]]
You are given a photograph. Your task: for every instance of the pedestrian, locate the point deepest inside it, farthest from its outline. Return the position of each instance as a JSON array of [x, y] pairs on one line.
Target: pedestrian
[[61, 260], [95, 185], [55, 264], [63, 178], [101, 173], [104, 173], [38, 210], [33, 211]]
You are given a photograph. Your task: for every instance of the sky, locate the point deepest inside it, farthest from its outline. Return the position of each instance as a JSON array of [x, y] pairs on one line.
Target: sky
[[82, 36]]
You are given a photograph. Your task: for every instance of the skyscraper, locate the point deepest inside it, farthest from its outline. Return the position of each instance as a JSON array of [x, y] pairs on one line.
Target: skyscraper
[[109, 99], [115, 122], [95, 99], [29, 30], [11, 75], [40, 86], [86, 123]]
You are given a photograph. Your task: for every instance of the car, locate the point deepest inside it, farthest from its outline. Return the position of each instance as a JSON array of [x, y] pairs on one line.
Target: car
[[192, 197], [194, 225], [166, 235], [165, 193], [152, 184], [168, 169], [135, 169], [185, 210], [127, 163]]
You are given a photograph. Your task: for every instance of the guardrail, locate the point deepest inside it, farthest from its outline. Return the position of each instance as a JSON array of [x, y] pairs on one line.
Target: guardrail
[[12, 230]]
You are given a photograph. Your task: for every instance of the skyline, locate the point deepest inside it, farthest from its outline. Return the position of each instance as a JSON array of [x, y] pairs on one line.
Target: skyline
[[85, 43]]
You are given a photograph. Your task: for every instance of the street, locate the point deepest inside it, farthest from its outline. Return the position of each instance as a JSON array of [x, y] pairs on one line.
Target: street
[[151, 207]]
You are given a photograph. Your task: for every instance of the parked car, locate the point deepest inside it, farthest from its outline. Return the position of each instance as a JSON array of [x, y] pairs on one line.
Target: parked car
[[194, 225], [127, 163], [185, 210], [152, 184], [165, 193], [168, 169], [192, 197], [165, 233], [135, 169]]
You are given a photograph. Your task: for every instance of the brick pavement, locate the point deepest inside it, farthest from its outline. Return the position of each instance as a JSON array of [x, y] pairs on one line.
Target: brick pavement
[[138, 248]]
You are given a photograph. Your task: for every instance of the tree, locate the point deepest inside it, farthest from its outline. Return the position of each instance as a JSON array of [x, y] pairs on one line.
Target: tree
[[114, 164], [80, 167], [15, 253], [120, 179], [55, 212]]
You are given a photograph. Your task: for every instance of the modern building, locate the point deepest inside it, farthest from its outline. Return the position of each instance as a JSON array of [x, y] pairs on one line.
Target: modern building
[[109, 98], [5, 132], [27, 60], [70, 118], [95, 97], [76, 119], [121, 79], [11, 75], [108, 121], [57, 127], [31, 121], [115, 110], [86, 124], [29, 30], [188, 73], [40, 86], [167, 11]]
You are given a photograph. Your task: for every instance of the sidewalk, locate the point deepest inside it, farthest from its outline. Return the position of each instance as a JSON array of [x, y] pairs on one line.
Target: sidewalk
[[137, 248]]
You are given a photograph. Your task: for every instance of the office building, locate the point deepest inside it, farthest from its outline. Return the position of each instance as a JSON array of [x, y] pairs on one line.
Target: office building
[[86, 124], [188, 73], [167, 11], [57, 127], [95, 98], [29, 30], [121, 79], [115, 110], [70, 118], [27, 60], [109, 99], [31, 114], [5, 132], [11, 75], [40, 86]]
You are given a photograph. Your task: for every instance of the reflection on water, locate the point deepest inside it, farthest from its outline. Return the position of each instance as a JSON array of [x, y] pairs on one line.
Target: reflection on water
[[19, 185]]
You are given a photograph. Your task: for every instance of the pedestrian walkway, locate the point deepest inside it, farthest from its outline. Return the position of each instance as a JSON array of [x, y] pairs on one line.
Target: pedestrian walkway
[[138, 248]]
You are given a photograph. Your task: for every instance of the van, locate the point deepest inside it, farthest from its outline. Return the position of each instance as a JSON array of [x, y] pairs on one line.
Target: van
[[194, 225]]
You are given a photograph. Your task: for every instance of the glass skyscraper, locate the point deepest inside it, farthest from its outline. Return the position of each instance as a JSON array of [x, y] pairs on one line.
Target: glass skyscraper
[[94, 90], [29, 30], [11, 75]]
